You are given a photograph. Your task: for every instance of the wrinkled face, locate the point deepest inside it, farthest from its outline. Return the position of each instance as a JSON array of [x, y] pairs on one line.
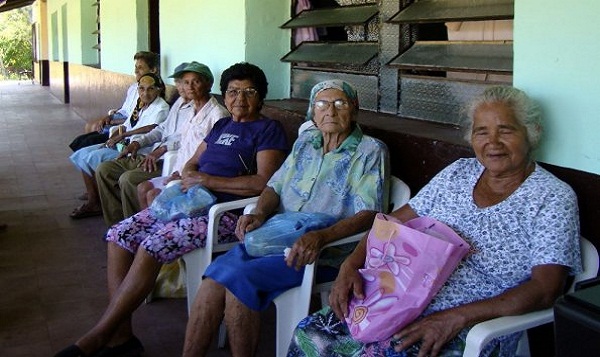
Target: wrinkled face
[[196, 87], [242, 100], [499, 140], [148, 90], [333, 112], [180, 88], [141, 68]]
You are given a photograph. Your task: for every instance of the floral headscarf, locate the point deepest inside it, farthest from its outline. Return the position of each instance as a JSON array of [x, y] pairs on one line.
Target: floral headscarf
[[343, 86]]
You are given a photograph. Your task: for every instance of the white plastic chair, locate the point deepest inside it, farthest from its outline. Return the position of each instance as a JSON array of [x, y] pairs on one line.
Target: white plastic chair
[[293, 305], [198, 260], [169, 159], [485, 331]]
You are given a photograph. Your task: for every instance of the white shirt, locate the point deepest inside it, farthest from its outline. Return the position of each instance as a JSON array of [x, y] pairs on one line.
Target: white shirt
[[195, 130], [155, 113], [168, 133], [130, 101]]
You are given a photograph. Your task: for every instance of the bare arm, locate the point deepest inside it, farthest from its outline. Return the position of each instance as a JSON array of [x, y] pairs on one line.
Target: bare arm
[[143, 130], [267, 204], [268, 161], [115, 138], [546, 284], [307, 248]]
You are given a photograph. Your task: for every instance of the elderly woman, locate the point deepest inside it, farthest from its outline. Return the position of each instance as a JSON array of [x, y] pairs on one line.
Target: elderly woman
[[235, 160], [523, 227], [151, 110], [96, 131], [334, 170]]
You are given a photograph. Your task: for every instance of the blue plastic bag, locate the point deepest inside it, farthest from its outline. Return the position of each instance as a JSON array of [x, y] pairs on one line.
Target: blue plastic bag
[[282, 230], [172, 203]]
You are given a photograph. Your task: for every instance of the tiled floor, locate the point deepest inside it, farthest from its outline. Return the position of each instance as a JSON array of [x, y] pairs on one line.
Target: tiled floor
[[52, 268]]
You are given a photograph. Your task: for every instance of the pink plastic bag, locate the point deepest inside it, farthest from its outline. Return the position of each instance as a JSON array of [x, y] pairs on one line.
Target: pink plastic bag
[[406, 265]]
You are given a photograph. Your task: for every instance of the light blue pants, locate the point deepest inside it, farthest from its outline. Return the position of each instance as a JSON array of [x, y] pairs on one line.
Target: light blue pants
[[88, 158]]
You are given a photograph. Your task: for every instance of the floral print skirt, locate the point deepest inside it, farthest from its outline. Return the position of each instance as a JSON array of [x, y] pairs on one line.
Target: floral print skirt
[[322, 334], [167, 241]]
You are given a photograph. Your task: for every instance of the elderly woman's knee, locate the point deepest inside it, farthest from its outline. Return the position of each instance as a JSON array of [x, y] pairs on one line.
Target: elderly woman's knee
[[128, 179], [104, 170]]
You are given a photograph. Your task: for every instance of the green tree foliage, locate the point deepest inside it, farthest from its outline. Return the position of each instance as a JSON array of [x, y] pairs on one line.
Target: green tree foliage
[[15, 41]]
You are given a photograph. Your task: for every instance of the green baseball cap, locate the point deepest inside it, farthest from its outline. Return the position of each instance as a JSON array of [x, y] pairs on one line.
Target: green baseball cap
[[178, 72], [199, 68]]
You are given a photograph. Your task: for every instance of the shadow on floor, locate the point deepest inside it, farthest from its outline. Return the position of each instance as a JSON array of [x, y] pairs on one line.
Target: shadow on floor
[[52, 268]]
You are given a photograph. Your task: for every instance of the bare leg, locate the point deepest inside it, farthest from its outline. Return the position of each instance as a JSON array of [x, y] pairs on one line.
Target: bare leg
[[142, 190], [205, 318], [151, 195], [92, 189], [243, 325], [127, 288]]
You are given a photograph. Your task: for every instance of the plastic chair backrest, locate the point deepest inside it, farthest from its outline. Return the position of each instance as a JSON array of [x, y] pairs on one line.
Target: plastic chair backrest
[[485, 331]]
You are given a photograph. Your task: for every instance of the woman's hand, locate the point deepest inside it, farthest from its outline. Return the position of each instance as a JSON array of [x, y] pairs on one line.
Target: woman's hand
[[190, 179], [149, 163], [348, 283], [433, 331], [247, 223], [110, 143], [132, 149], [174, 176], [100, 124], [305, 250]]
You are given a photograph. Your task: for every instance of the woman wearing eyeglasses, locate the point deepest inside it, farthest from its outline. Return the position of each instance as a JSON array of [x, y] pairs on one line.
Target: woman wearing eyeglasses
[[235, 160], [150, 110], [334, 170]]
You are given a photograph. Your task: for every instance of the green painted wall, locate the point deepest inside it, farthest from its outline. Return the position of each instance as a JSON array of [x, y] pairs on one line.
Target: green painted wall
[[221, 33], [58, 21], [557, 61], [88, 15], [213, 35], [266, 43], [556, 54], [121, 37], [54, 43]]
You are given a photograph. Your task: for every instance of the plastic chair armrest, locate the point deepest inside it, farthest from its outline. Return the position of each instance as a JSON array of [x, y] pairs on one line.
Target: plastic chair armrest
[[485, 331], [350, 239], [169, 159]]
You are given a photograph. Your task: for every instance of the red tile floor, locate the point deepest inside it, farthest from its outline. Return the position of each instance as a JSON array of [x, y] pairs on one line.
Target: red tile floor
[[52, 268]]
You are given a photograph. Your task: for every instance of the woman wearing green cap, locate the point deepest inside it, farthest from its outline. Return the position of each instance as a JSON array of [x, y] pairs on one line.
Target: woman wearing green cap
[[234, 161]]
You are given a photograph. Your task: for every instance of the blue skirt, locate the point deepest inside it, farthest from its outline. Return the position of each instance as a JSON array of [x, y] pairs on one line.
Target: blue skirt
[[253, 281]]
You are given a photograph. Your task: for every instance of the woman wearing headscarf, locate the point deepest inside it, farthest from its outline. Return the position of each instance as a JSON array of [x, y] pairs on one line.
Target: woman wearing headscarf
[[521, 222], [336, 170]]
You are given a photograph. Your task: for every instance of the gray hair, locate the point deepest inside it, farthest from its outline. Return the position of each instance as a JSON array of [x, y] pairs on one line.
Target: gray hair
[[526, 111]]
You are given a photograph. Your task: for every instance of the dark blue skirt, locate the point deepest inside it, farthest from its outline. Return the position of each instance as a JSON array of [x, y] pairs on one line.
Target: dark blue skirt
[[254, 281]]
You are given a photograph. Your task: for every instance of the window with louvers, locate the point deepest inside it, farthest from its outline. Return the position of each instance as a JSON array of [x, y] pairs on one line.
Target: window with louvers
[[419, 59]]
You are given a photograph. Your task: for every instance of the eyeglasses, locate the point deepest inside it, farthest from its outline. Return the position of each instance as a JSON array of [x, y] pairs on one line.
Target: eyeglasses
[[339, 104], [248, 92]]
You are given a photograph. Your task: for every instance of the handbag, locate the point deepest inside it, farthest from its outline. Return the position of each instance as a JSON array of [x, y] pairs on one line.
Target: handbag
[[172, 203], [282, 231], [406, 265]]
